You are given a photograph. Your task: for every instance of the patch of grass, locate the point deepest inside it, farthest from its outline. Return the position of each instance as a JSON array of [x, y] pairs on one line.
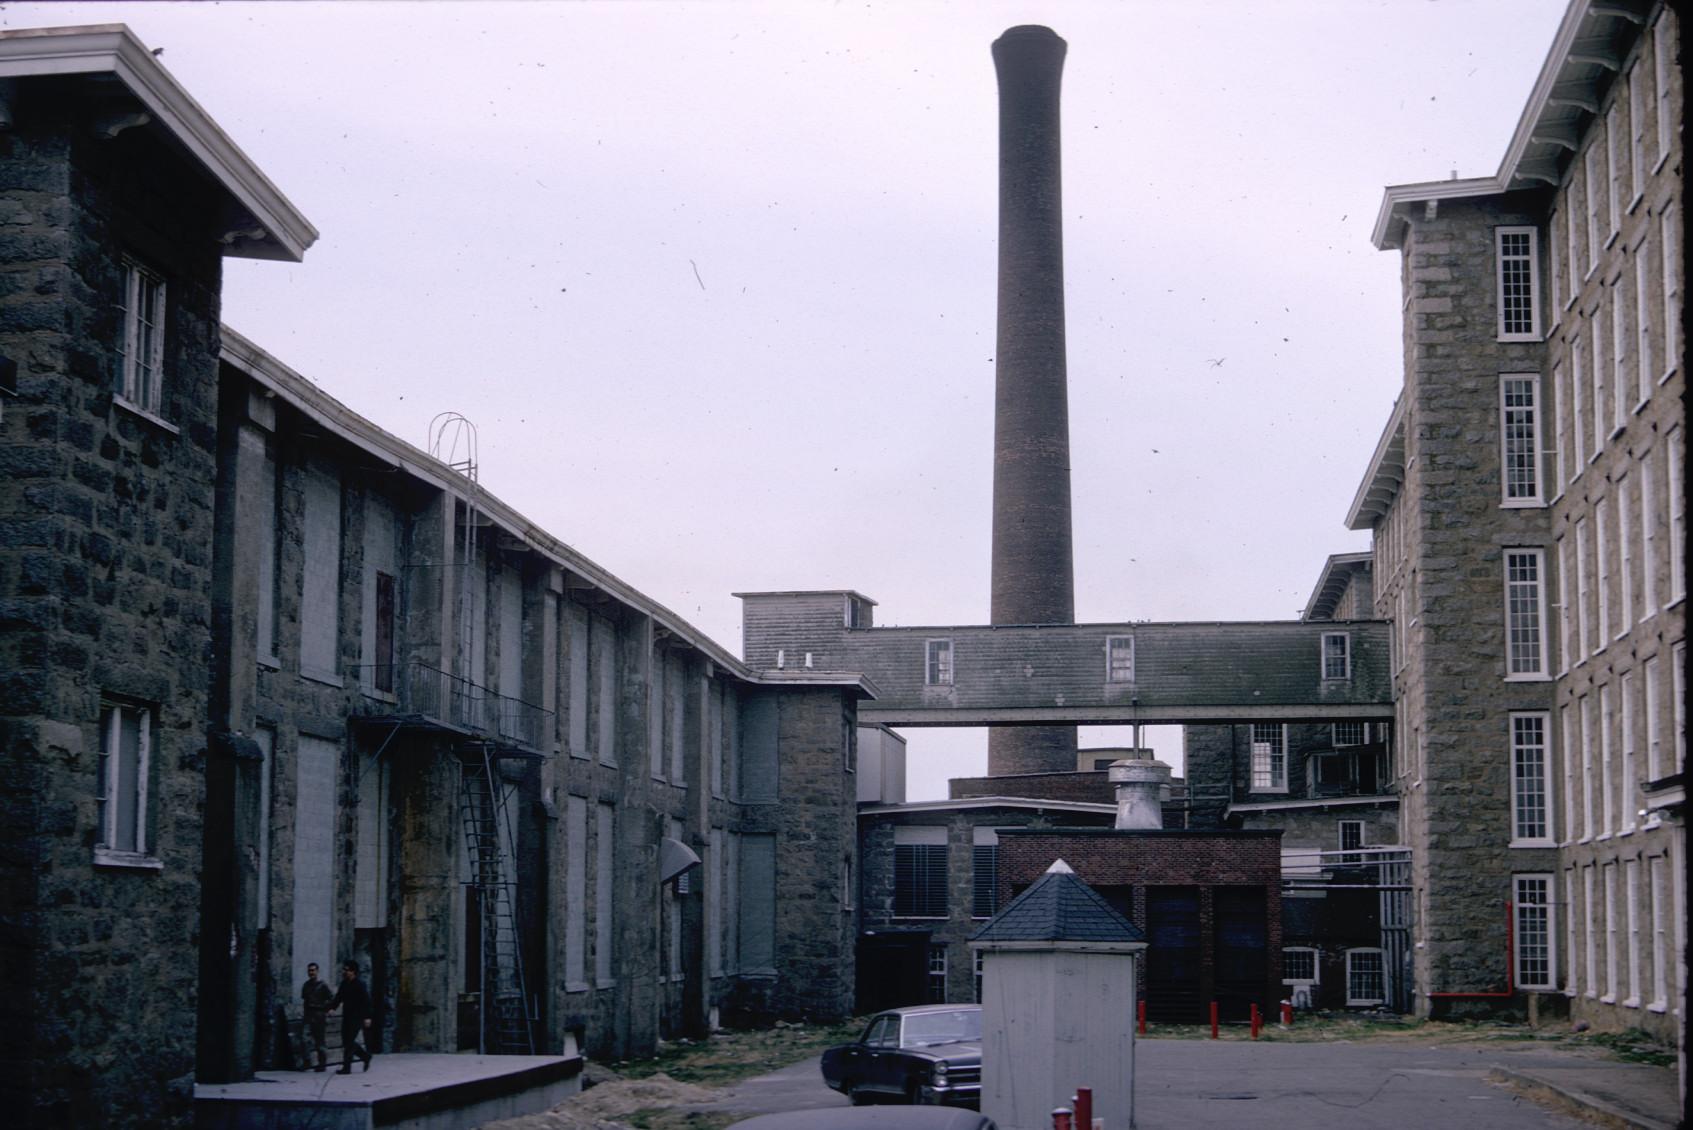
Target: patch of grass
[[729, 1056], [1634, 1045], [663, 1118]]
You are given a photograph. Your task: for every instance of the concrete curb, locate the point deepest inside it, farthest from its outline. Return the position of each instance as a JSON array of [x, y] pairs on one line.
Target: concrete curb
[[1605, 1110]]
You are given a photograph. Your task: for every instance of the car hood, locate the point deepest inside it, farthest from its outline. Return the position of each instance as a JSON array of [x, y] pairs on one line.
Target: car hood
[[969, 1051]]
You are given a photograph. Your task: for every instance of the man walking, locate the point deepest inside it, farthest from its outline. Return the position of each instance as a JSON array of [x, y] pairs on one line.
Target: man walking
[[316, 997], [354, 999]]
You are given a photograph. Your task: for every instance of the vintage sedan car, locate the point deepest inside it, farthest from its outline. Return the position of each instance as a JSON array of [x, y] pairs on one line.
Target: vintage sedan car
[[929, 1054], [876, 1118]]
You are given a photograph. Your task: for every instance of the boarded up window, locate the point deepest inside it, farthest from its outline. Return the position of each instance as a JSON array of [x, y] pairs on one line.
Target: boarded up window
[[758, 903], [370, 901], [316, 764], [576, 704], [575, 893], [605, 825], [320, 596], [758, 749]]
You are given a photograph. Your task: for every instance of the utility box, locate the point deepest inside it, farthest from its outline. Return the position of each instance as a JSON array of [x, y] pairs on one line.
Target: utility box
[[1058, 1004]]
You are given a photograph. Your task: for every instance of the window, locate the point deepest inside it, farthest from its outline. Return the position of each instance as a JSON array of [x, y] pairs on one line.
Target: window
[[1613, 144], [1607, 791], [937, 668], [1570, 916], [1584, 636], [1572, 231], [1620, 344], [382, 673], [1631, 890], [1269, 757], [1648, 540], [1643, 374], [1595, 186], [1350, 836], [1536, 962], [1566, 727], [576, 696], [1630, 787], [1654, 726], [1566, 638], [1625, 548], [1518, 280], [1365, 980], [1578, 403], [1349, 733], [920, 872], [1559, 420], [126, 749], [320, 595], [984, 873], [1657, 873], [1669, 256], [143, 345], [1591, 931], [268, 511], [937, 974], [1519, 432], [1531, 786], [713, 869], [1337, 655], [575, 893], [1636, 136], [1525, 613], [1585, 705], [1663, 64], [1554, 267], [1602, 563], [1120, 659], [1600, 402], [1677, 517], [605, 903], [1613, 934], [1299, 965]]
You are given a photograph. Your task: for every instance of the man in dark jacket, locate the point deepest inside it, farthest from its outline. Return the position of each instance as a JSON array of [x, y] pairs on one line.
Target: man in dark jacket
[[315, 997], [354, 1001]]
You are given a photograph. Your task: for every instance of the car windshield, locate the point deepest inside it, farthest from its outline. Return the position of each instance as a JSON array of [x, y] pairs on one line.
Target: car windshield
[[926, 1029]]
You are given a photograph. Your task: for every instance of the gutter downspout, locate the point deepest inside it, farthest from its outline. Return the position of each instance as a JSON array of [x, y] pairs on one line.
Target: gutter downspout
[[1510, 967]]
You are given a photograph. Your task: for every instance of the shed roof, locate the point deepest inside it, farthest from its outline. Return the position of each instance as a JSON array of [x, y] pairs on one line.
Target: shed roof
[[1059, 907]]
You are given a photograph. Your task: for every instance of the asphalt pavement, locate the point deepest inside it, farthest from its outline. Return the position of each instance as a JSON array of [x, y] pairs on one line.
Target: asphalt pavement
[[1188, 1084]]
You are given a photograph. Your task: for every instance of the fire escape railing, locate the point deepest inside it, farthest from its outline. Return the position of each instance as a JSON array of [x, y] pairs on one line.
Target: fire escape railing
[[432, 695]]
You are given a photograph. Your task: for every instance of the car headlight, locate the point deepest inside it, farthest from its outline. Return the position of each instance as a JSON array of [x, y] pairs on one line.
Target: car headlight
[[940, 1074]]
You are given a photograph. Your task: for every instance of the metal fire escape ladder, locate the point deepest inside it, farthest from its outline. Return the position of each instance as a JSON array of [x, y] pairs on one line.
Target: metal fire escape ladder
[[505, 1028]]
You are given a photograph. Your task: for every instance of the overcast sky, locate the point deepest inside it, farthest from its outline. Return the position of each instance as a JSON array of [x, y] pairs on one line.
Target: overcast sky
[[715, 281]]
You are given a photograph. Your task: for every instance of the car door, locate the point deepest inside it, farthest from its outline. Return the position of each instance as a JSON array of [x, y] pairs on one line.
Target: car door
[[882, 1069]]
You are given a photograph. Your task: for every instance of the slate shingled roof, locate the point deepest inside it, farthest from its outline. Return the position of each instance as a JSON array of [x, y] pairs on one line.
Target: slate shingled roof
[[1058, 908]]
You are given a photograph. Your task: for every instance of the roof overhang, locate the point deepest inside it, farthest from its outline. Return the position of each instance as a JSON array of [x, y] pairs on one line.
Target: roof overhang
[[1025, 803], [1331, 583], [1586, 54], [1387, 470], [261, 223]]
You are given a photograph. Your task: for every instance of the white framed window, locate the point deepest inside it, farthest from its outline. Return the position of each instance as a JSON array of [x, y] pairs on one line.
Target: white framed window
[[1300, 966], [1625, 548], [1571, 986], [1595, 199], [1537, 964], [1669, 255], [1677, 517], [1584, 635], [1648, 540], [1629, 786], [1119, 659], [1651, 673], [1613, 147], [1600, 402], [1269, 757], [1578, 403], [1531, 783], [984, 873], [1572, 233], [1678, 698], [937, 663], [1349, 835], [1584, 704], [1636, 136], [1566, 637], [1613, 933], [1337, 655], [1554, 268], [1560, 422], [1525, 613], [1644, 376], [920, 871], [937, 974], [1657, 874], [1631, 901], [1602, 563], [1663, 65], [1590, 947], [1366, 982], [1518, 270], [1607, 786], [121, 785], [1566, 728], [1621, 342], [1349, 733], [143, 345], [1519, 438]]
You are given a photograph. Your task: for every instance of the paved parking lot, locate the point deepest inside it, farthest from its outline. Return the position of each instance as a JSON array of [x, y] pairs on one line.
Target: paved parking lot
[[1299, 1086]]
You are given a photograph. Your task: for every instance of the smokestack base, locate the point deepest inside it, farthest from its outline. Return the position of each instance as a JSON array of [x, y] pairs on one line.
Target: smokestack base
[[1142, 784]]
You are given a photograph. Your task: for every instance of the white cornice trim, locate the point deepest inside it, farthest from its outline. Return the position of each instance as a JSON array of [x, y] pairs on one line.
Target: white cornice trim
[[114, 49], [1385, 234], [1360, 515], [988, 802]]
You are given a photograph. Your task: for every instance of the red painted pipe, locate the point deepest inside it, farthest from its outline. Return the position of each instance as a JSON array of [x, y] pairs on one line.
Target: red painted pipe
[[1510, 966], [1084, 1108], [1287, 1014], [1061, 1119], [1140, 1015], [1213, 1020], [1256, 1018]]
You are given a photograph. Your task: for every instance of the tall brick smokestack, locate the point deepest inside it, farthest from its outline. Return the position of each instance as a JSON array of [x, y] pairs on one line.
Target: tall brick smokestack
[[1033, 581]]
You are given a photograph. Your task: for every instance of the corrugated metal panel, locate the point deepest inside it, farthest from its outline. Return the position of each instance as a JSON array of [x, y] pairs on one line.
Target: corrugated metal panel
[[758, 903], [316, 773]]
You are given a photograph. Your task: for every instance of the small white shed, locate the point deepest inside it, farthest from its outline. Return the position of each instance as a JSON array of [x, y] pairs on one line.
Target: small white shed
[[1058, 1004]]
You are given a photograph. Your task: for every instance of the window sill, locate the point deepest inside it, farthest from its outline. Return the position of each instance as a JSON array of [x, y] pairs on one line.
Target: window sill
[[1610, 240], [380, 696], [270, 663], [1523, 504], [1631, 1002], [1534, 677], [1267, 790], [577, 986], [608, 983], [1533, 844], [576, 755], [1658, 1006], [126, 860], [1635, 203], [1659, 164], [327, 678], [1618, 430], [1531, 337], [135, 409], [1667, 375], [1607, 999], [1601, 837]]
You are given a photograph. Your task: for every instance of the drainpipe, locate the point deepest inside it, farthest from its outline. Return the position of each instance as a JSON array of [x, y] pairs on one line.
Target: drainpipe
[[1510, 967]]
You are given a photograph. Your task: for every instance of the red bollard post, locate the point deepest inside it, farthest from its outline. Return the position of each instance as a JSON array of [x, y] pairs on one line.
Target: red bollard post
[[1213, 1020], [1061, 1118], [1256, 1019], [1287, 1014], [1084, 1108], [1140, 1017]]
